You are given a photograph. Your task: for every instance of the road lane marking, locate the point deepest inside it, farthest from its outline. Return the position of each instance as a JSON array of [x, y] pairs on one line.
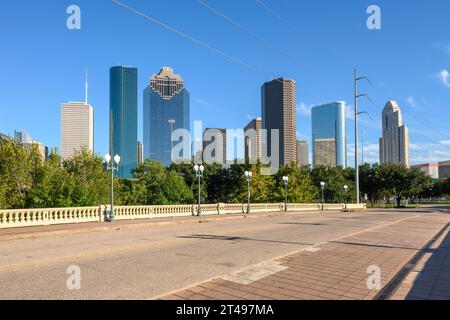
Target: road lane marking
[[256, 272]]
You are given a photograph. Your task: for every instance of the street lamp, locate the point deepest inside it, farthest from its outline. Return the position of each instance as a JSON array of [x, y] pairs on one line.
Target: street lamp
[[113, 165], [199, 174], [285, 182], [346, 196], [248, 176], [322, 187]]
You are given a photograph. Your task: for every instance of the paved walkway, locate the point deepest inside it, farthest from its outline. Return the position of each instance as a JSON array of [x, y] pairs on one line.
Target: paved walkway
[[412, 255]]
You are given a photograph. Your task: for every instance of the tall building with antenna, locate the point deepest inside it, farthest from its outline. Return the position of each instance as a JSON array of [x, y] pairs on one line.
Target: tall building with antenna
[[394, 143], [77, 126], [123, 113]]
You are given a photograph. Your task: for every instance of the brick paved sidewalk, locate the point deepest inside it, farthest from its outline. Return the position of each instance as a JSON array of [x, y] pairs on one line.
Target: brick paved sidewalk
[[338, 269]]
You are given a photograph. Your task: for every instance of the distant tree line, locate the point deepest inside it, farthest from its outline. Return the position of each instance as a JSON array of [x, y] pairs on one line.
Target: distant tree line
[[28, 181]]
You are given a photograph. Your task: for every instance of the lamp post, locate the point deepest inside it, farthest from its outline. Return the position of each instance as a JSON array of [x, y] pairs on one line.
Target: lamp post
[[199, 174], [113, 165], [285, 182], [346, 196], [322, 187], [171, 122], [248, 176]]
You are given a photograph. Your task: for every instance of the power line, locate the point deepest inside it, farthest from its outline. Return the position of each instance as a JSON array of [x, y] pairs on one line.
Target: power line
[[199, 42], [253, 34], [290, 26]]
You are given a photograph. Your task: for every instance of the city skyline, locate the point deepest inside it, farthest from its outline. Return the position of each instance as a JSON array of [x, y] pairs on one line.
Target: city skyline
[[422, 101]]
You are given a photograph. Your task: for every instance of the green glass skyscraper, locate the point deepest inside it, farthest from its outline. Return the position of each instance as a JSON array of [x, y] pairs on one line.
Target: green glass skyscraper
[[123, 121]]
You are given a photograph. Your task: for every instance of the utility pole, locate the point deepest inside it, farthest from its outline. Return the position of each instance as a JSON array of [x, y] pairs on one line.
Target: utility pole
[[355, 80]]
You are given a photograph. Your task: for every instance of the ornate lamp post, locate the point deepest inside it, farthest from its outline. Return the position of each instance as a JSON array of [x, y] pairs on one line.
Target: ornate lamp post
[[248, 176], [346, 196], [322, 187], [285, 182], [199, 175], [113, 165]]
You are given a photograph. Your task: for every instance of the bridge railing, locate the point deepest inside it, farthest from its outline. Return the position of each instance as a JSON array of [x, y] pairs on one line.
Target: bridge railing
[[38, 217]]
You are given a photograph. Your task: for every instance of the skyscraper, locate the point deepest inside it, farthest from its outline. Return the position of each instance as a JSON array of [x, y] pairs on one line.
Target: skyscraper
[[253, 140], [302, 152], [77, 128], [166, 108], [217, 136], [123, 118], [278, 109], [329, 136], [394, 144], [25, 139], [22, 136]]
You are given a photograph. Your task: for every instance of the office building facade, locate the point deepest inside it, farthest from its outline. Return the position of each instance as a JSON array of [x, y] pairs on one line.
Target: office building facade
[[123, 112], [278, 109], [166, 109], [77, 128], [329, 135], [302, 153], [215, 145], [431, 169], [394, 143], [444, 169], [253, 140]]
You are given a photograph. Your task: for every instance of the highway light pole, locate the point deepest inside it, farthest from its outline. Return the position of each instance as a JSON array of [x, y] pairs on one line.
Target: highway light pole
[[285, 182], [113, 165], [357, 96], [248, 176], [199, 175]]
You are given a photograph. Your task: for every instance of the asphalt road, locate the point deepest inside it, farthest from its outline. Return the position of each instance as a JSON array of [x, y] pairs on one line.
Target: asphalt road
[[143, 262]]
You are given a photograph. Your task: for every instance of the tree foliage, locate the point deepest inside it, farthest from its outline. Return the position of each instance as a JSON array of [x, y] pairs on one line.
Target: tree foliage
[[28, 181]]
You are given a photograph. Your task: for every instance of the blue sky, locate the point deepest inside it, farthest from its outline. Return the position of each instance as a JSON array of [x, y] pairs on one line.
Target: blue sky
[[43, 63]]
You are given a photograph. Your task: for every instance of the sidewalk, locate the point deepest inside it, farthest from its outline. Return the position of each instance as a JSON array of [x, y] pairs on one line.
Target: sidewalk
[[338, 269]]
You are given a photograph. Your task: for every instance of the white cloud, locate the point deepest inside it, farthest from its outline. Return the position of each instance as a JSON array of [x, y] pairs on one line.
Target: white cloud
[[445, 142], [413, 103], [304, 109], [444, 76]]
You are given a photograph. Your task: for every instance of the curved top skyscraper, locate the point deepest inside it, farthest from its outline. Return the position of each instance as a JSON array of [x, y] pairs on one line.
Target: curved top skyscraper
[[329, 135], [394, 144], [166, 108]]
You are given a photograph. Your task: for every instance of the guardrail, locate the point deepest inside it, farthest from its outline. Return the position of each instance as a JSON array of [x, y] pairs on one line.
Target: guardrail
[[38, 217]]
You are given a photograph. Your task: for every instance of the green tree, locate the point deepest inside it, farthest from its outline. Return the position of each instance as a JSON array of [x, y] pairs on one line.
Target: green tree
[[16, 174], [162, 186], [335, 180], [91, 182], [300, 185]]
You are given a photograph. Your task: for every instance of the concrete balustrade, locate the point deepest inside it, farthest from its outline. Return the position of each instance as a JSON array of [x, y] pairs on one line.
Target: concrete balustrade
[[37, 217]]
